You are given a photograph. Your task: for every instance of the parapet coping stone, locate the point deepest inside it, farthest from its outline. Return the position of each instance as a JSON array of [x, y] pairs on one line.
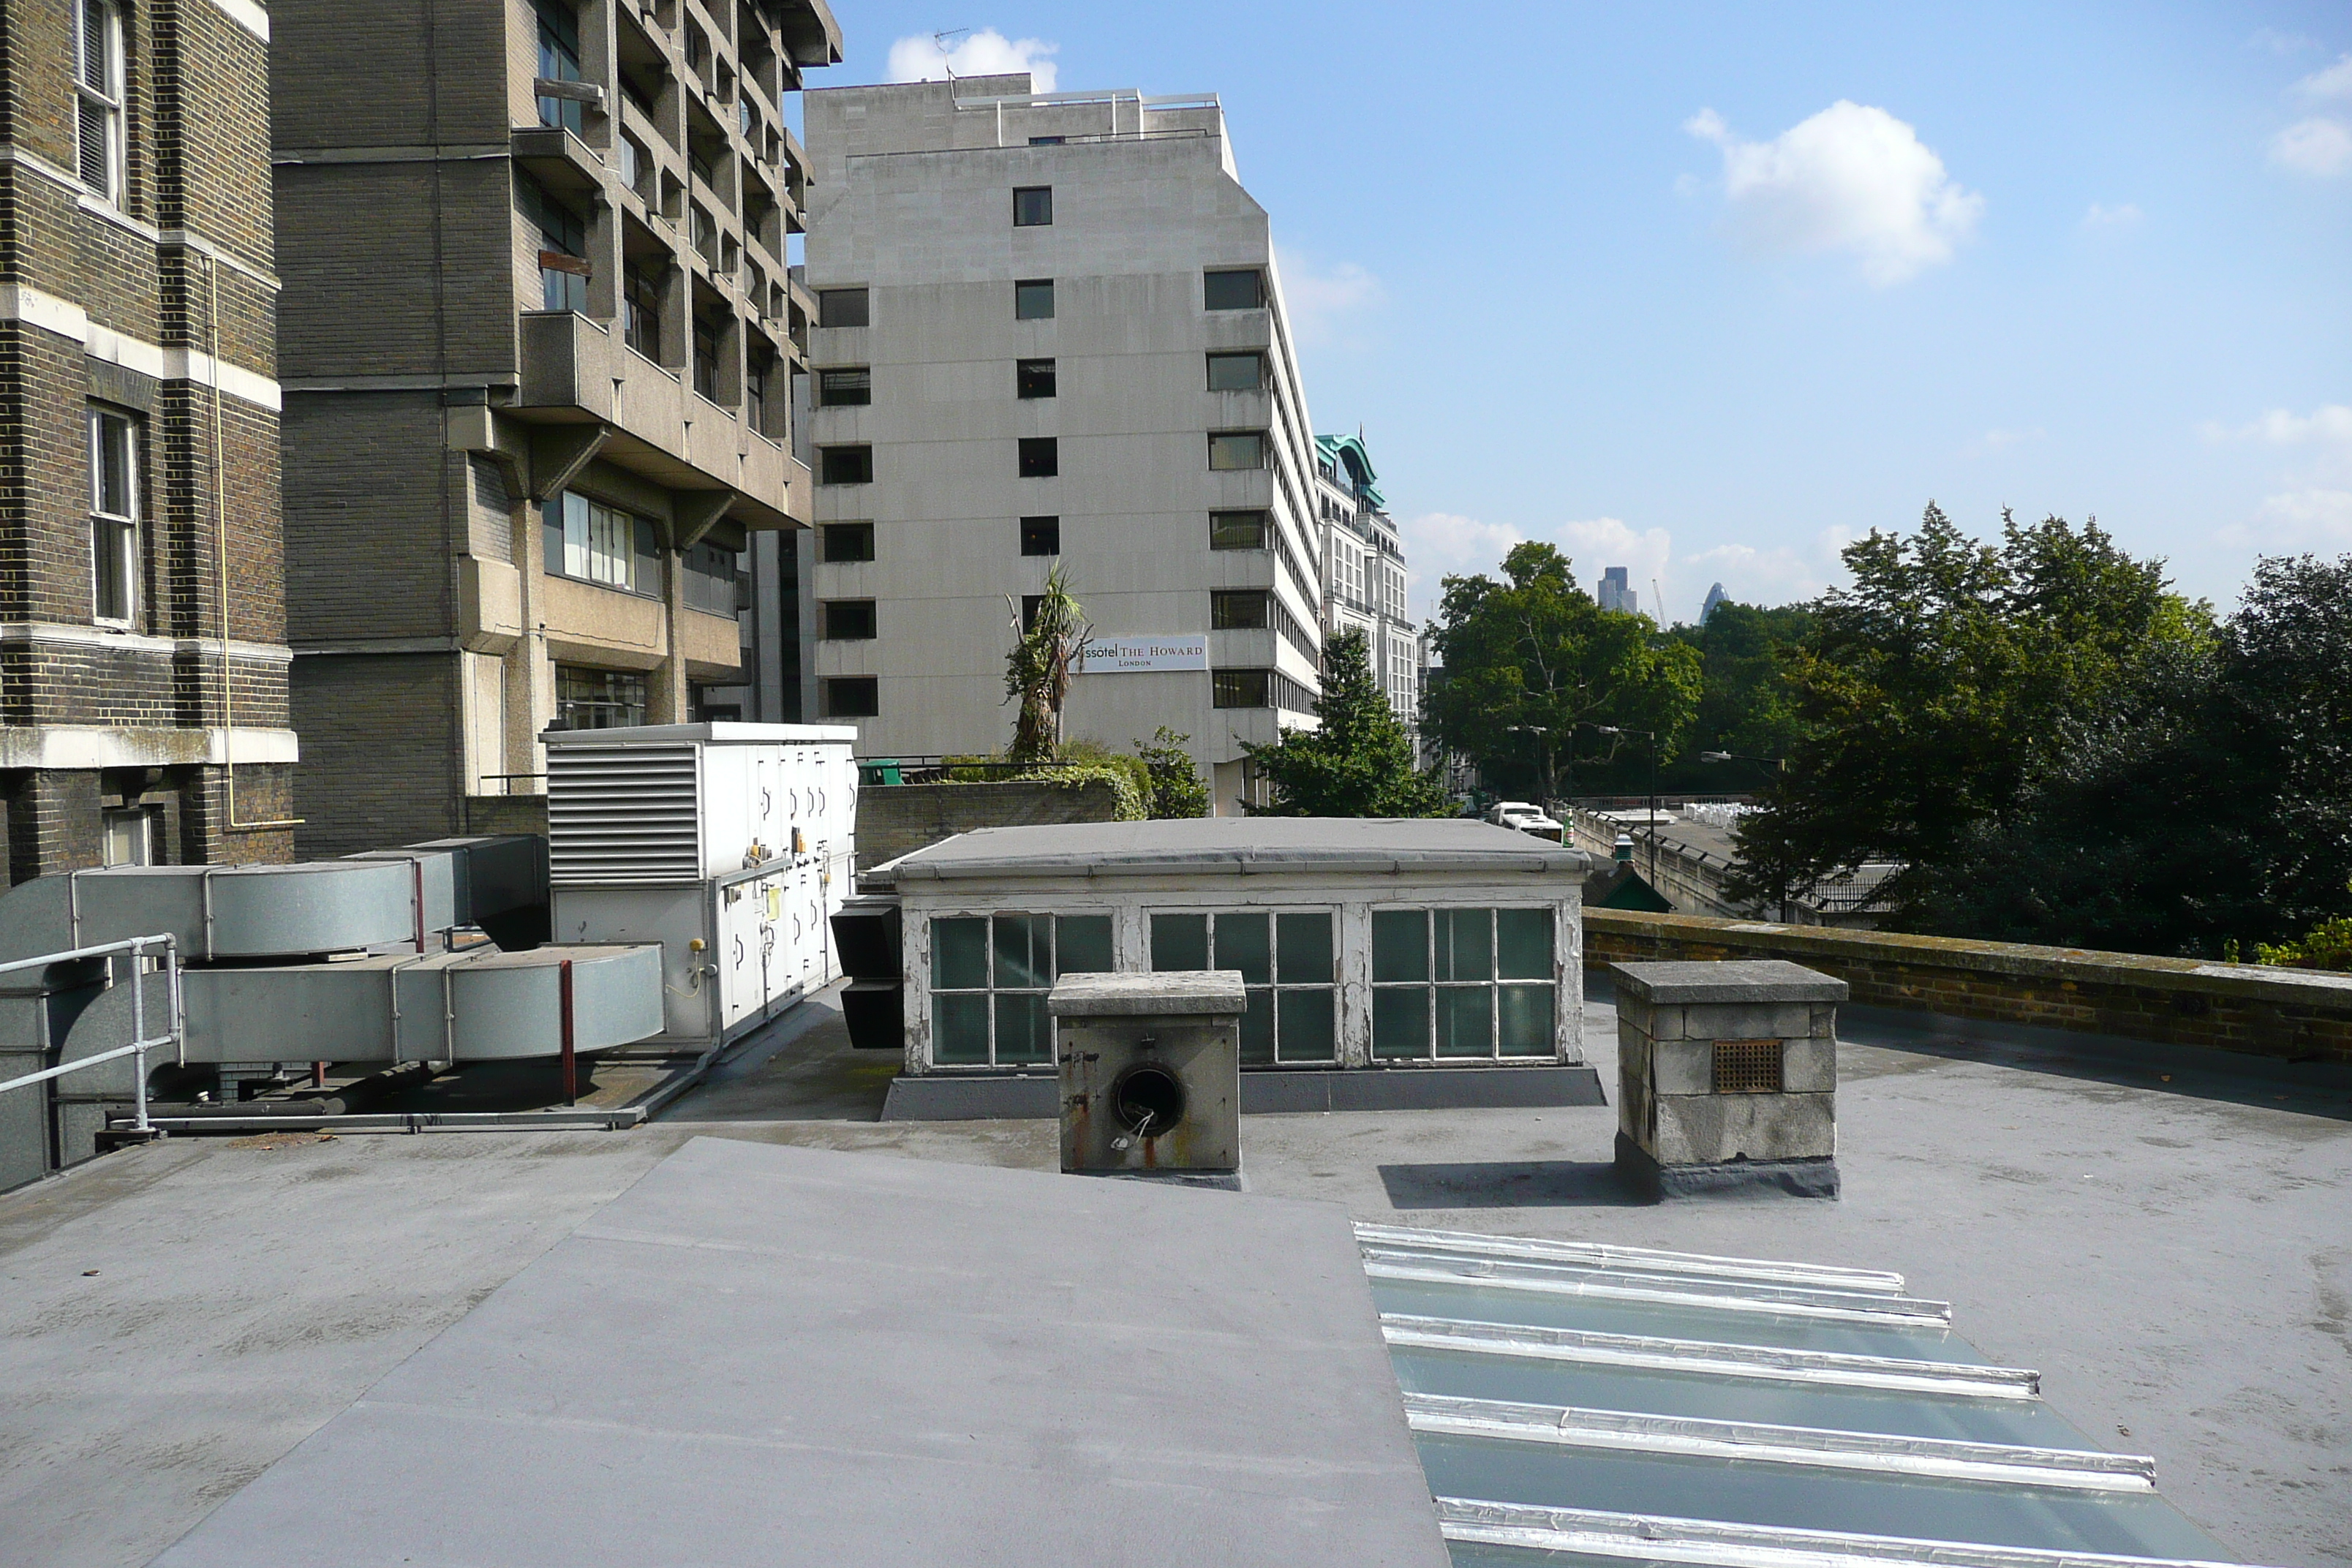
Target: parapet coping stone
[[2303, 987], [1167, 993], [1732, 981]]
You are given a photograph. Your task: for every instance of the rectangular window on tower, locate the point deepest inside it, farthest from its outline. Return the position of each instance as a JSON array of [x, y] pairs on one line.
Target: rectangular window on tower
[[841, 308], [113, 515], [1236, 372], [1033, 299], [1033, 206], [1237, 530], [1041, 536], [559, 61], [841, 541], [1041, 457], [1033, 378], [851, 386], [97, 103]]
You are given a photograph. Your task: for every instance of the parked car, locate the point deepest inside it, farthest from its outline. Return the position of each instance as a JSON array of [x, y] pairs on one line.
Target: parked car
[[1522, 817]]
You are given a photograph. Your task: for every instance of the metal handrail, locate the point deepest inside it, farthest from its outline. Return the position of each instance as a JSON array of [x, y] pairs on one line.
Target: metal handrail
[[137, 947]]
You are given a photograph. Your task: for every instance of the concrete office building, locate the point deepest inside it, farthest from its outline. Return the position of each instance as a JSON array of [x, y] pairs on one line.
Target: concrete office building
[[1364, 570], [1051, 329], [143, 638], [540, 338]]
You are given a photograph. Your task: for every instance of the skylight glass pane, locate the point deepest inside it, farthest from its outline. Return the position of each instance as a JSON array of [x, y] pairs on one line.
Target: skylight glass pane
[[1024, 956], [1303, 943], [1024, 1031], [1085, 944], [1465, 1021], [2135, 1524], [1399, 944], [1180, 942], [1401, 1025], [1307, 1026], [1243, 943], [1524, 1020], [959, 1028], [1257, 1026], [1523, 944], [958, 954]]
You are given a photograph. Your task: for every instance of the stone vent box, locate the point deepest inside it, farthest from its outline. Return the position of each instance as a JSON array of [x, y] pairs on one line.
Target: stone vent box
[[1727, 1078], [1150, 1074]]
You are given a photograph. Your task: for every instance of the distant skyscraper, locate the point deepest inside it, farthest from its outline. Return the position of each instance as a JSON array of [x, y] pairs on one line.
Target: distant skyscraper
[[1616, 596], [1715, 595]]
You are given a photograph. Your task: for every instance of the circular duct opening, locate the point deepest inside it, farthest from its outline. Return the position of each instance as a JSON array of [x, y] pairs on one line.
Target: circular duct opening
[[1148, 1100]]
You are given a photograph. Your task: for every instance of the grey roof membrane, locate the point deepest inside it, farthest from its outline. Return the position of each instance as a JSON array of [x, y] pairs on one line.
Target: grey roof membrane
[[763, 1354], [1236, 844]]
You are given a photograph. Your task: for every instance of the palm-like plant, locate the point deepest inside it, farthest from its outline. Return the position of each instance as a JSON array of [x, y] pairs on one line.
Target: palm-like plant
[[1038, 671]]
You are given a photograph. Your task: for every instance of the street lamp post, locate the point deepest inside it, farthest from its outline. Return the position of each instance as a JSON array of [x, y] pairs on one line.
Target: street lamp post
[[1778, 764], [1651, 736], [1543, 760]]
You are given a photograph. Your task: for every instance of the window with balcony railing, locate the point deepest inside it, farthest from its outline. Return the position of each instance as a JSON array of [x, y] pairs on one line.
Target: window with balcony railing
[[558, 61], [641, 314], [563, 270], [709, 584], [706, 358]]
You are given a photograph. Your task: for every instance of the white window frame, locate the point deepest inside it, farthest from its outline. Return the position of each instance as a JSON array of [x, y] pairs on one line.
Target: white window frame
[[97, 90], [1275, 986], [992, 989], [114, 535], [1493, 984]]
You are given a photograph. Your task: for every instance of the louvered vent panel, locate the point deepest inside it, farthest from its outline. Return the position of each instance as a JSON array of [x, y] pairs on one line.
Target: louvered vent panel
[[623, 816]]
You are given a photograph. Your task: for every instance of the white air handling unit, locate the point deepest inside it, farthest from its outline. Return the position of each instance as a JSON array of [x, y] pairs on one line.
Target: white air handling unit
[[729, 845]]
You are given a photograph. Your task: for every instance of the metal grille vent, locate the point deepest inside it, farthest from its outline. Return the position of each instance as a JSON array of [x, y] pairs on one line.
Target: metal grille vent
[[1747, 1067], [623, 816]]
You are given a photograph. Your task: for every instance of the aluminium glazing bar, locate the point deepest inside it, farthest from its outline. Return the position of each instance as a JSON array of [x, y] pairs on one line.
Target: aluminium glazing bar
[[1622, 1285], [1598, 1255], [1685, 1436], [1707, 1543], [1708, 1358]]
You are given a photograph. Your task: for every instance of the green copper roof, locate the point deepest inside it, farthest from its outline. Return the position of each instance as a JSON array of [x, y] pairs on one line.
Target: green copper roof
[[1341, 449]]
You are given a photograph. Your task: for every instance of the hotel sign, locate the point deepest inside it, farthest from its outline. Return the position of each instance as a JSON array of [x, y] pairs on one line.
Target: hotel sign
[[1129, 655]]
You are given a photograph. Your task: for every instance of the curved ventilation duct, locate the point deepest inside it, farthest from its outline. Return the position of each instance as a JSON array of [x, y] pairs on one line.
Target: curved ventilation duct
[[395, 990]]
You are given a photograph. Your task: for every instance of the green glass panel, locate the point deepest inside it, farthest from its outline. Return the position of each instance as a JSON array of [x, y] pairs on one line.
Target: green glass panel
[[1257, 1026], [1180, 942], [1400, 1021], [1463, 943], [1523, 944], [1243, 943], [1024, 959], [1401, 944], [1024, 1032], [1465, 1021], [1302, 946], [1524, 1020], [1309, 1030], [1085, 942], [958, 954], [959, 1028]]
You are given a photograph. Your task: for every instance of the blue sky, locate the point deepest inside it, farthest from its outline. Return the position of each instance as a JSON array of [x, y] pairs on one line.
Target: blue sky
[[1707, 290]]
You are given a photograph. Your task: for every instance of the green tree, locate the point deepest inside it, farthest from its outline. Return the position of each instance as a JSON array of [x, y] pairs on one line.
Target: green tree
[[1934, 692], [1529, 658], [1037, 670], [2207, 805], [1745, 705], [1177, 787], [1360, 762]]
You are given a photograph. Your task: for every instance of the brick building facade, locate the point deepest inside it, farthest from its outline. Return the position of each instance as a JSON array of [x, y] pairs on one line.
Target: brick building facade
[[144, 659], [540, 338]]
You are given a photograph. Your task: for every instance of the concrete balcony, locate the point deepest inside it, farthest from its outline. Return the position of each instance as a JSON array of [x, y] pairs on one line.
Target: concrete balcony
[[576, 371]]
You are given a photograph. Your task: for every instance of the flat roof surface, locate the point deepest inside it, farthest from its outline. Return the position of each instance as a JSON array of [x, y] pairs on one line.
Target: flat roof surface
[[847, 1359], [1235, 845], [2160, 1232]]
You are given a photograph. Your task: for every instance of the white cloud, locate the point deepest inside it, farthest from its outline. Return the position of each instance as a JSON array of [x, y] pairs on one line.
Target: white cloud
[[2314, 519], [2318, 146], [2122, 216], [2001, 440], [2280, 43], [2330, 424], [1320, 300], [2334, 82], [1852, 178], [1439, 544], [986, 53]]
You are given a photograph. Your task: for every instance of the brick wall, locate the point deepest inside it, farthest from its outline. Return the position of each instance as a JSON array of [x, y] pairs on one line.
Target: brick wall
[[898, 819], [380, 750], [181, 265], [2292, 1015]]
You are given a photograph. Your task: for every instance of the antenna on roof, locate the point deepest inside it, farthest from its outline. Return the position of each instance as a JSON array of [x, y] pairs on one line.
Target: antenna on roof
[[939, 41]]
